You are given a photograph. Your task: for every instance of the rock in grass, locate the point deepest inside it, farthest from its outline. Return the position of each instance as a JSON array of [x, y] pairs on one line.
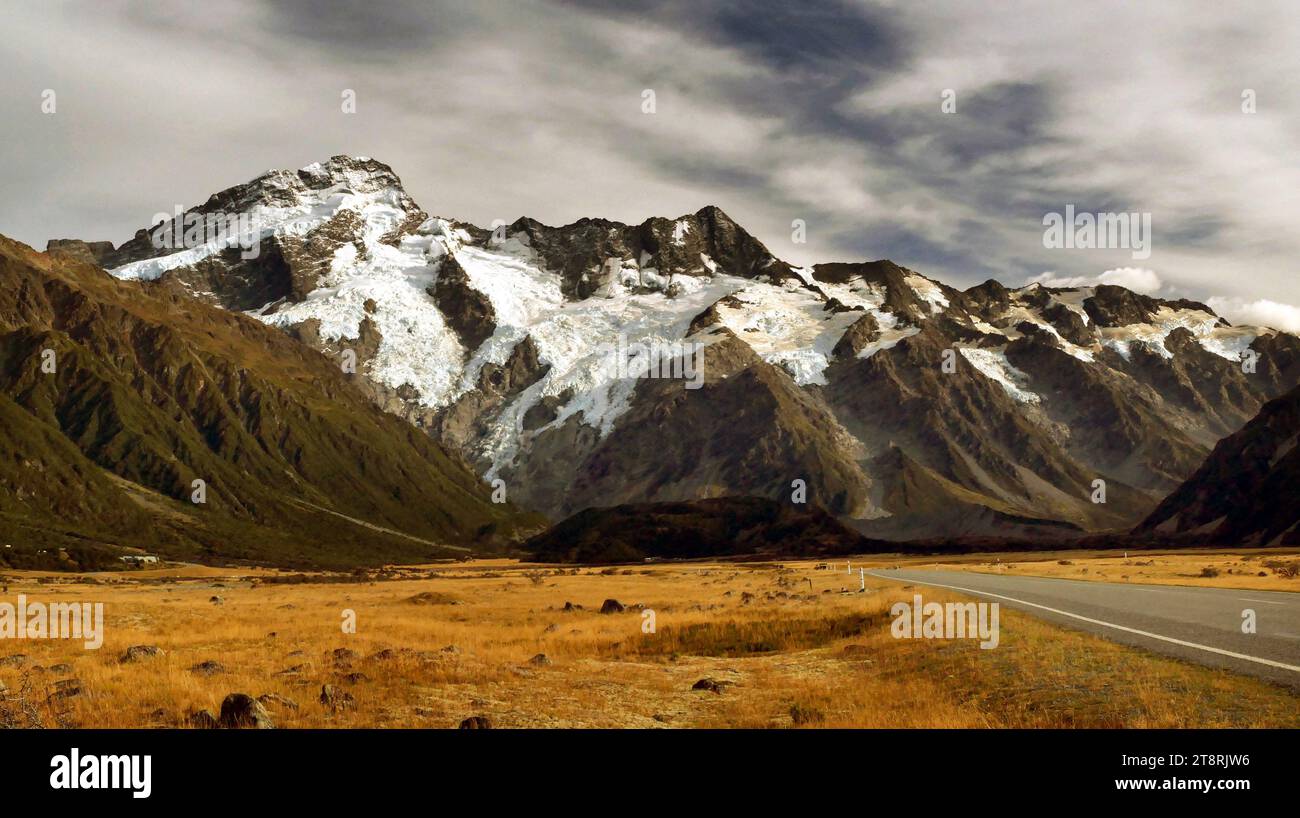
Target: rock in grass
[[242, 710], [712, 685], [336, 699], [66, 689], [137, 652], [278, 700], [203, 720], [208, 667], [433, 598], [476, 723]]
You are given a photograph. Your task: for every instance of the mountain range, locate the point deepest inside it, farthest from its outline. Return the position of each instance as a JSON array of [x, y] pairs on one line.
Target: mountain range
[[905, 408]]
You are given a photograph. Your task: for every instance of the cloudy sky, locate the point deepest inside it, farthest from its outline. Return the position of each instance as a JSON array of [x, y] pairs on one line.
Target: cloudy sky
[[830, 111]]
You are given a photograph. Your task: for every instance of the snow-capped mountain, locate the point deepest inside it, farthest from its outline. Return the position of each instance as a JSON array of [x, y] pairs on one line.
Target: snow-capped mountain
[[903, 404]]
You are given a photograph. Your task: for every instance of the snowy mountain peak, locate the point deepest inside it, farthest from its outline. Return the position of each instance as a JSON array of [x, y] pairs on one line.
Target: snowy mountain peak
[[505, 343], [355, 175]]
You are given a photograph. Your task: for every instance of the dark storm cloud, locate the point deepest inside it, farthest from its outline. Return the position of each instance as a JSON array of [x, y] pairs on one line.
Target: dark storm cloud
[[828, 37], [816, 52], [821, 37], [1004, 118]]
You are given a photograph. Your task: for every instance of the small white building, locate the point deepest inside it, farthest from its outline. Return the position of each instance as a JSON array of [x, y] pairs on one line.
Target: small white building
[[140, 559]]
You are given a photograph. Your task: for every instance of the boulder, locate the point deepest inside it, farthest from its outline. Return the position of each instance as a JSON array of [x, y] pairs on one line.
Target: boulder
[[135, 653], [242, 710], [208, 668], [712, 685], [611, 606]]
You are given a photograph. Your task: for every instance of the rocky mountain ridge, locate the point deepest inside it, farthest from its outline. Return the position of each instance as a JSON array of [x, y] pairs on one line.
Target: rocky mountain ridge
[[1245, 493], [905, 406]]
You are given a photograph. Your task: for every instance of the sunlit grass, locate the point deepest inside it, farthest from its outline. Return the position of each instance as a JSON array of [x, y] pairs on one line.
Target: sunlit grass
[[788, 646]]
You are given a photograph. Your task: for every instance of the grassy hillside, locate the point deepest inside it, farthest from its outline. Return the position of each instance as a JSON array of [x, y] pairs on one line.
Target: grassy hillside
[[152, 390]]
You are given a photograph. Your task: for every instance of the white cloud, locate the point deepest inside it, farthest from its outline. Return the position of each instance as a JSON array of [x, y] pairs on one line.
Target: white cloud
[[922, 86], [1261, 312], [489, 111], [1157, 129], [1138, 279]]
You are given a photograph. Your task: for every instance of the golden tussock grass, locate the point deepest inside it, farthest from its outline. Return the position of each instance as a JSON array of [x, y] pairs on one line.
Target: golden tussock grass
[[787, 647], [1260, 570]]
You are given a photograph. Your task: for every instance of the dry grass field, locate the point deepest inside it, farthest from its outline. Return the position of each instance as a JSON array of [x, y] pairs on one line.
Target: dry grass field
[[437, 644], [1262, 570]]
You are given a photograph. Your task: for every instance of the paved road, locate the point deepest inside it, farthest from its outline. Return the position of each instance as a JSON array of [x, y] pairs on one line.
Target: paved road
[[1202, 625]]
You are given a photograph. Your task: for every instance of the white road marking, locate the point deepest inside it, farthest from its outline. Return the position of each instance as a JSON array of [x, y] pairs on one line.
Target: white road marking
[[1104, 624], [1264, 601]]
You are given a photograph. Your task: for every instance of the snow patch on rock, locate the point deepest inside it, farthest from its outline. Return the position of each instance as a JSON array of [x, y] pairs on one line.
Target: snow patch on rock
[[993, 364], [928, 291]]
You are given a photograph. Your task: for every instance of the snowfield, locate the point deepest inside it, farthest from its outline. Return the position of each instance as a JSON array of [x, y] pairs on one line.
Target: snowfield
[[993, 364]]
